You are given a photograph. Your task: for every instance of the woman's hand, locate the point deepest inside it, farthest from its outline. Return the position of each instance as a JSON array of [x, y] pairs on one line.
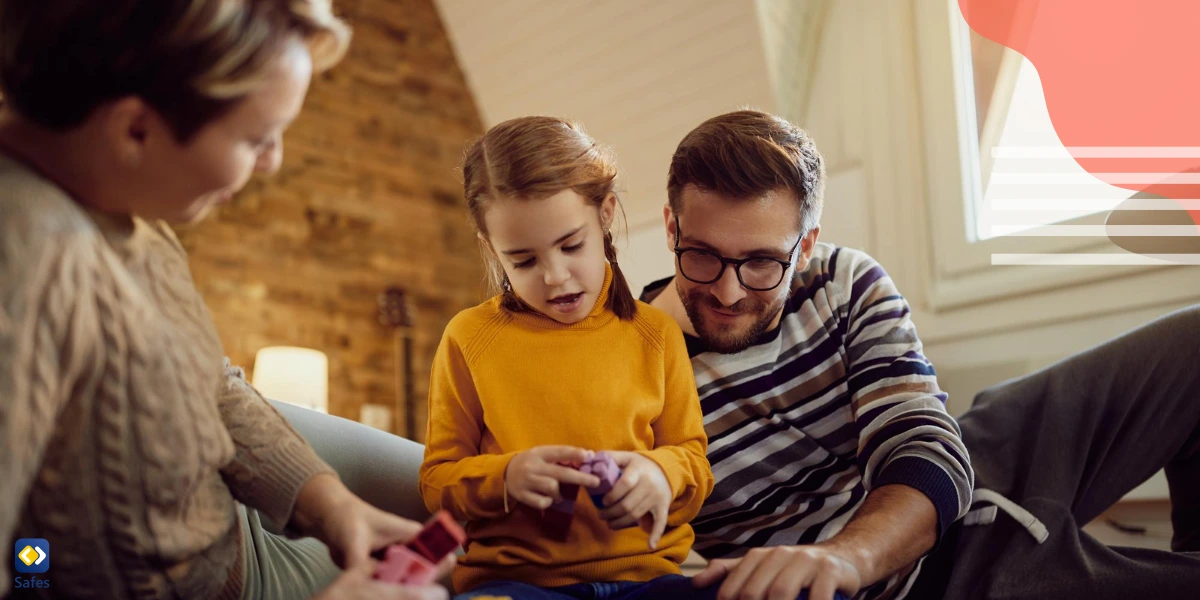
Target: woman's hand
[[352, 528]]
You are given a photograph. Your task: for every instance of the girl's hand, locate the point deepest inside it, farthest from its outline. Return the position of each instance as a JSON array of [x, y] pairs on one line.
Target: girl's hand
[[642, 490], [533, 477]]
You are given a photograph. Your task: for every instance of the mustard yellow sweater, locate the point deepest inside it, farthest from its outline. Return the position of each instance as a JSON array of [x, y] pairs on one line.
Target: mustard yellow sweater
[[505, 382]]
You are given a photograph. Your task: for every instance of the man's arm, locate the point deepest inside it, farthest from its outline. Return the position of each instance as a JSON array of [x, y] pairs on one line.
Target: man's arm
[[905, 435], [893, 528], [913, 462]]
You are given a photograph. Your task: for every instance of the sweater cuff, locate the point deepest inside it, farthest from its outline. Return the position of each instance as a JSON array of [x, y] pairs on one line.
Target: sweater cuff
[[279, 473], [678, 478], [473, 491], [491, 493], [929, 479]]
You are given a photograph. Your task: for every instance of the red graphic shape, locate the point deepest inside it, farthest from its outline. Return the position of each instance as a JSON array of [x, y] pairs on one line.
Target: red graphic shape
[[1116, 73]]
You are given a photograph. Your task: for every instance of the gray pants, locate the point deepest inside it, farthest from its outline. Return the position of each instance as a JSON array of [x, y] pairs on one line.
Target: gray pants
[[1068, 442], [379, 467]]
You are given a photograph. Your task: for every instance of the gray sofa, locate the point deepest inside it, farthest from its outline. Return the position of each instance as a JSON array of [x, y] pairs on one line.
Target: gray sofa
[[378, 466]]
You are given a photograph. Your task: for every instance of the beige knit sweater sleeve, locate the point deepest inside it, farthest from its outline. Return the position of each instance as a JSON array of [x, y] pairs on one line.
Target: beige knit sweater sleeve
[[272, 462]]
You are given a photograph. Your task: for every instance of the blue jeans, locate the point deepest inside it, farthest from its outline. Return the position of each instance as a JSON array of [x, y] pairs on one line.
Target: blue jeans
[[667, 587]]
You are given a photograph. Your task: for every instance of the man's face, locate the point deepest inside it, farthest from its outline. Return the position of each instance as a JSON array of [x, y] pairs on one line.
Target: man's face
[[726, 314]]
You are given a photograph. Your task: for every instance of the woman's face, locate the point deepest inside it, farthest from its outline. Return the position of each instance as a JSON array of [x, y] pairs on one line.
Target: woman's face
[[181, 183]]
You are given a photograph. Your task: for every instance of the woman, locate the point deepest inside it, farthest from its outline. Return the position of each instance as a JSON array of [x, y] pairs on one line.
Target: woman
[[126, 440]]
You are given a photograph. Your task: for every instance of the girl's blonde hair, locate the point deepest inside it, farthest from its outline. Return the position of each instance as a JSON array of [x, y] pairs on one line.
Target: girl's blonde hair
[[531, 158]]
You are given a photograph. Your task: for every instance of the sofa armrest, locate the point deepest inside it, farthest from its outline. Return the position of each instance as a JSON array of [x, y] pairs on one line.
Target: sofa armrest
[[378, 466]]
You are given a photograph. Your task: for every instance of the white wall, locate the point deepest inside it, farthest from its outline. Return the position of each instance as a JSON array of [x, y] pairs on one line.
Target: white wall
[[644, 255], [639, 75]]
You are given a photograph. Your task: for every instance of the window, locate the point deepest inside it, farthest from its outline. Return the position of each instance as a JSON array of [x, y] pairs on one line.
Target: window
[[1026, 178], [972, 98]]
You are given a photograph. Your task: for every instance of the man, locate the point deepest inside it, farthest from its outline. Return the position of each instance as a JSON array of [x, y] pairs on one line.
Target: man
[[837, 465]]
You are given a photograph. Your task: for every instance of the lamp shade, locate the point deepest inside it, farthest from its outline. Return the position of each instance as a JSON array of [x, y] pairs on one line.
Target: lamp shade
[[297, 376]]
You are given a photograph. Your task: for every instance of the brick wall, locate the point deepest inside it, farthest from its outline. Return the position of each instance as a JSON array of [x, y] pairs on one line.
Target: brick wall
[[368, 197]]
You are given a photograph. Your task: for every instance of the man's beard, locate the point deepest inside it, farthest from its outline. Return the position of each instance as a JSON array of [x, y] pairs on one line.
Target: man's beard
[[728, 339]]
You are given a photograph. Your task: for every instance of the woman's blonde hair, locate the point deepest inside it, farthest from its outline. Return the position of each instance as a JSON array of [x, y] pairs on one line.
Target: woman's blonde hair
[[531, 158], [191, 60]]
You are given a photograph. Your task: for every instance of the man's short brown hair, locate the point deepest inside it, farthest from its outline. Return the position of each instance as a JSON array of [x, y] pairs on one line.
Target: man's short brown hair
[[746, 154], [189, 59]]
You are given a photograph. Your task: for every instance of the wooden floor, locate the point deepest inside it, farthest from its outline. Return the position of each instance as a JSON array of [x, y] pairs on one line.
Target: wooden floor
[[1143, 524]]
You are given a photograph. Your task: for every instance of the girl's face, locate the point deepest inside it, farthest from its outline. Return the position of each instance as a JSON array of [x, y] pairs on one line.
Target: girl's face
[[552, 251]]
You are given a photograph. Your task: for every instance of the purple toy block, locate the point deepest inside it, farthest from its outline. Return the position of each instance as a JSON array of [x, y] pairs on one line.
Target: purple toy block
[[604, 467], [569, 493], [556, 523], [556, 520]]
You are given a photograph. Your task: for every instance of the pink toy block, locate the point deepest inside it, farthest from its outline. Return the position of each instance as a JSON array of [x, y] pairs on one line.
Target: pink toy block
[[441, 536], [403, 566], [416, 562]]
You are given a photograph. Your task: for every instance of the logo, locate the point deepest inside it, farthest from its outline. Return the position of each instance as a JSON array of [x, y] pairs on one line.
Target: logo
[[31, 555]]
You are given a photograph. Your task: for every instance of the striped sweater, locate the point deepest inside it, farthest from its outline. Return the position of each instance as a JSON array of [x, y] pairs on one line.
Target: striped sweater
[[836, 401]]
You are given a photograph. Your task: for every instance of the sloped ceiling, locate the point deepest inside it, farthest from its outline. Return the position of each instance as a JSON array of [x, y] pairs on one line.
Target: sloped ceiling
[[639, 75]]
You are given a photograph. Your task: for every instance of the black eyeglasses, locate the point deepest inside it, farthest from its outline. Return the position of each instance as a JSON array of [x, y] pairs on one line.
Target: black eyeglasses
[[760, 274]]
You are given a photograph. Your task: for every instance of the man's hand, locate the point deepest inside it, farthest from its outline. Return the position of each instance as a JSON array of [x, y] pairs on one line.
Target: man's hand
[[642, 490], [356, 584], [895, 525], [781, 573]]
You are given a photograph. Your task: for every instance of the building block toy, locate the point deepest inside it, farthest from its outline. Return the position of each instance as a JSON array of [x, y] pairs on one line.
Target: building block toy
[[603, 466], [415, 563], [401, 565], [556, 520], [440, 536]]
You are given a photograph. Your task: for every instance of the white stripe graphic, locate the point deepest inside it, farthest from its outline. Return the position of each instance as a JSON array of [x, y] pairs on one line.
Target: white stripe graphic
[[1090, 204], [1001, 178], [1094, 230], [1096, 152], [1095, 259]]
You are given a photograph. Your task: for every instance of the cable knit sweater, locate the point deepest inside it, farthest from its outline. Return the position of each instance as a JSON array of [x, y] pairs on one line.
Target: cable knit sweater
[[125, 437]]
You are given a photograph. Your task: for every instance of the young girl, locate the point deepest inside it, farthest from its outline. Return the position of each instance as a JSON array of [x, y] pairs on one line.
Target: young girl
[[561, 363]]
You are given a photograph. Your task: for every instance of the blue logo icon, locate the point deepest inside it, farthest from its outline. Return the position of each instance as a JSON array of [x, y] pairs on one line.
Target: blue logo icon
[[31, 555]]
